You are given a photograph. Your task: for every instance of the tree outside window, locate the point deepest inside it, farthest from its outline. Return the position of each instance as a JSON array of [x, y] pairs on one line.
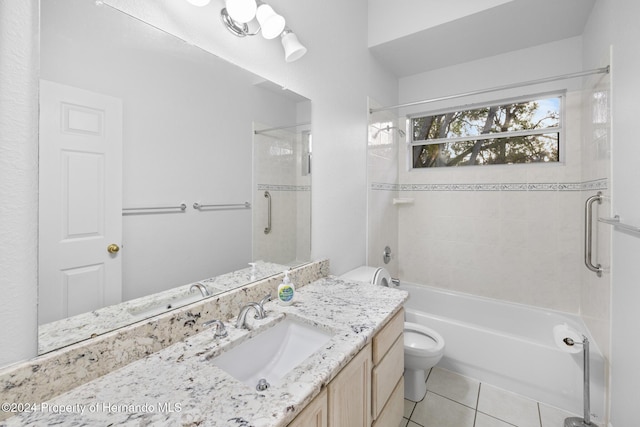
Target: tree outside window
[[516, 132]]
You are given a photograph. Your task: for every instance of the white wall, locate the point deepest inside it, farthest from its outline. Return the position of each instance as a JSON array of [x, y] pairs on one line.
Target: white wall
[[337, 74], [615, 23], [19, 51], [417, 15], [517, 245]]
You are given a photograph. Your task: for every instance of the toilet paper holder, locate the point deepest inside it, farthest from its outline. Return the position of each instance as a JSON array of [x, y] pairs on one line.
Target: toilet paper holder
[[586, 420], [571, 342]]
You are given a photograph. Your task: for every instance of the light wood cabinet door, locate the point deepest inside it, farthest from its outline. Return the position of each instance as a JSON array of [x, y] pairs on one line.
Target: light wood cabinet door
[[350, 393], [314, 414]]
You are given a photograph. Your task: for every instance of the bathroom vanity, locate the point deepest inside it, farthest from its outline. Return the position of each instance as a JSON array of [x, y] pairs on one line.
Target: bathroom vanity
[[354, 378], [369, 390]]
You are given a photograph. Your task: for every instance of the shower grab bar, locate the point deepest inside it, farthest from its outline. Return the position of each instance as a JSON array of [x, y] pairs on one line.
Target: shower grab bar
[[267, 230], [246, 205], [182, 207], [588, 233], [615, 221]]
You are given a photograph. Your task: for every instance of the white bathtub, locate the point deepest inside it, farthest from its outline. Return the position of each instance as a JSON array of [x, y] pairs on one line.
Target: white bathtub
[[508, 345]]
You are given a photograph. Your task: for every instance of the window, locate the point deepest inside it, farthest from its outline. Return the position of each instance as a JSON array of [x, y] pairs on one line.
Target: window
[[527, 131]]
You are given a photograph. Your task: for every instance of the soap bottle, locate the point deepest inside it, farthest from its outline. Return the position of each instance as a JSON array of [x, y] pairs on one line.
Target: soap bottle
[[253, 271], [286, 290]]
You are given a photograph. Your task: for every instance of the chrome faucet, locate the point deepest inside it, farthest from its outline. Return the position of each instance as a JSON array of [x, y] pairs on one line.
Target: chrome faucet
[[201, 287], [262, 302], [220, 332], [242, 317]]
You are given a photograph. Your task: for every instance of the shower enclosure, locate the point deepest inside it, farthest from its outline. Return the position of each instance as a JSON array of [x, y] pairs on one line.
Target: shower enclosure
[[282, 194]]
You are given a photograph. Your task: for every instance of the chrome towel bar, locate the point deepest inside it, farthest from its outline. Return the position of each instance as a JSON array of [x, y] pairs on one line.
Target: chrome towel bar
[[182, 207], [244, 205], [615, 221]]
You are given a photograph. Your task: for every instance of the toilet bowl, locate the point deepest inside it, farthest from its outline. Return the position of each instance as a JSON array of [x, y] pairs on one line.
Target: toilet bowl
[[423, 347]]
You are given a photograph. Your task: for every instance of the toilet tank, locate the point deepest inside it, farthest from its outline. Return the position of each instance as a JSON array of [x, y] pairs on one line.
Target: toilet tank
[[374, 275]]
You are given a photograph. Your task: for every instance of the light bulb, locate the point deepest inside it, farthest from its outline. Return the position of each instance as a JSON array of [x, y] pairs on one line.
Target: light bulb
[[271, 23], [293, 49], [241, 11]]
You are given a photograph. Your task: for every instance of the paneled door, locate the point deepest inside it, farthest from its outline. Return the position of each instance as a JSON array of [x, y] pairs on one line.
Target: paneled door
[[80, 201]]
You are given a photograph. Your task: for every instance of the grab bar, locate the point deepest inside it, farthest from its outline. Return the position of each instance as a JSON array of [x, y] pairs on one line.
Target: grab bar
[[588, 233], [247, 205], [267, 230]]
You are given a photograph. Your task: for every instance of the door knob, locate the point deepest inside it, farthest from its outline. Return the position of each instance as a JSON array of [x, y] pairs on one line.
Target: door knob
[[113, 248]]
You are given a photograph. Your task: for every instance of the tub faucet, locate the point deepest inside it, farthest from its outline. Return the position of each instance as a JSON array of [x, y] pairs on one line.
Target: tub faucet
[[220, 332], [201, 287], [242, 317]]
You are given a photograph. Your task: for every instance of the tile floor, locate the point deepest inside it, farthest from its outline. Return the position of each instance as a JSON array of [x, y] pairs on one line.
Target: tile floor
[[453, 400]]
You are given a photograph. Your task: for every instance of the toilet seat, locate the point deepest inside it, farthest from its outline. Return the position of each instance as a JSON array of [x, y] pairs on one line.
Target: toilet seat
[[420, 340]]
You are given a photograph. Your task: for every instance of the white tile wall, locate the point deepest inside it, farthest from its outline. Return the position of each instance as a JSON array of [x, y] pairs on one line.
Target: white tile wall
[[512, 232], [382, 167]]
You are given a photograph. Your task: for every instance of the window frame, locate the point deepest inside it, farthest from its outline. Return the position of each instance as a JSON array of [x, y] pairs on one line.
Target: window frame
[[560, 129]]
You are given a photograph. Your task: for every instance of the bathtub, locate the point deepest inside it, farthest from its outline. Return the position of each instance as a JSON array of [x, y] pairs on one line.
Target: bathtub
[[509, 345]]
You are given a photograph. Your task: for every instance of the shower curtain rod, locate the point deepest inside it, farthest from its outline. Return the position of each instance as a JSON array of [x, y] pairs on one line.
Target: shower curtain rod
[[261, 131], [494, 89]]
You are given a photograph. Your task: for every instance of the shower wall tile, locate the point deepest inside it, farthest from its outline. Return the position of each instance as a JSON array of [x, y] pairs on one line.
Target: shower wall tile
[[382, 177], [512, 232], [509, 245], [277, 169]]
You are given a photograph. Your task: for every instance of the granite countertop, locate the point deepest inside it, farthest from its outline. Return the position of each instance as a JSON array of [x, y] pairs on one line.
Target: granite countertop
[[73, 329], [181, 386]]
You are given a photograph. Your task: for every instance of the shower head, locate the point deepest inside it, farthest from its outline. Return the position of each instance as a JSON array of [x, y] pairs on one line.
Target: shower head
[[387, 129]]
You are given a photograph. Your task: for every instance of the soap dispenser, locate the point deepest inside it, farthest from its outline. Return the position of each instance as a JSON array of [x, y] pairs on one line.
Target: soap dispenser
[[286, 290], [253, 271]]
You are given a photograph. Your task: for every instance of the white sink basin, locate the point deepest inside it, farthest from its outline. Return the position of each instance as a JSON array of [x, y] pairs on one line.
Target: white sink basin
[[273, 353]]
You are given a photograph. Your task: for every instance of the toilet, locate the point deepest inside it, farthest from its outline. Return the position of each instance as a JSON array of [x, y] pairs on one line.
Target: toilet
[[423, 347]]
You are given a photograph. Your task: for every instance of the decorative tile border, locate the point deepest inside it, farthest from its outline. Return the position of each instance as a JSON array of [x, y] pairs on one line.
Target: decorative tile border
[[277, 187], [384, 186], [597, 184]]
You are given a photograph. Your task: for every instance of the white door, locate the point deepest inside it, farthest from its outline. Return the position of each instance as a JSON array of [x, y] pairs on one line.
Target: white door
[[80, 202]]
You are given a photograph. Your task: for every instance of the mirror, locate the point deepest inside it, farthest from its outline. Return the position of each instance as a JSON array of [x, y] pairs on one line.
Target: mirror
[[155, 157]]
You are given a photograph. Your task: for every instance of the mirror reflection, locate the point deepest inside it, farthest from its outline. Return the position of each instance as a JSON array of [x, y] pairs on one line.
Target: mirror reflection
[[155, 161]]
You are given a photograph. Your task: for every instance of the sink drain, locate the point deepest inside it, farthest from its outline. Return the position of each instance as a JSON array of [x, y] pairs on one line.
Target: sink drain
[[262, 384]]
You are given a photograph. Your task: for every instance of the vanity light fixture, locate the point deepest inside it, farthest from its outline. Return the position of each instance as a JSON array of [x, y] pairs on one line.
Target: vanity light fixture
[[238, 14]]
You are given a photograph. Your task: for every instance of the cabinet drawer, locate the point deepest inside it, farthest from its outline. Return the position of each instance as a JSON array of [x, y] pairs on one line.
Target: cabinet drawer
[[385, 376], [387, 336], [392, 413]]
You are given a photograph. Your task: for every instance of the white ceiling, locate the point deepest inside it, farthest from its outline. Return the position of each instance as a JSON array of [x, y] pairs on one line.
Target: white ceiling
[[468, 34]]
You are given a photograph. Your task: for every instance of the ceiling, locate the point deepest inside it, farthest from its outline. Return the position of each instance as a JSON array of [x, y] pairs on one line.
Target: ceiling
[[467, 36]]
